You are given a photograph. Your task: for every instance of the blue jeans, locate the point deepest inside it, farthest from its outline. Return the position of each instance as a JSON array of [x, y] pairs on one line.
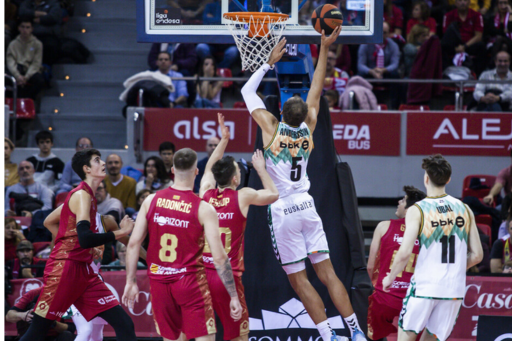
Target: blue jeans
[[489, 107], [205, 103], [230, 53]]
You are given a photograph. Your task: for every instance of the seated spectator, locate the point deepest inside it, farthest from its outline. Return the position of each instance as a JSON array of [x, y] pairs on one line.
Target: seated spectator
[[500, 253], [208, 92], [503, 181], [394, 17], [351, 17], [108, 205], [22, 314], [379, 60], [475, 5], [421, 15], [29, 189], [415, 38], [11, 176], [498, 29], [333, 98], [69, 178], [463, 29], [166, 150], [121, 257], [141, 196], [184, 57], [25, 257], [211, 144], [13, 236], [24, 61], [335, 79], [155, 177], [119, 186], [47, 16], [48, 166], [178, 98], [230, 53], [495, 97], [343, 58]]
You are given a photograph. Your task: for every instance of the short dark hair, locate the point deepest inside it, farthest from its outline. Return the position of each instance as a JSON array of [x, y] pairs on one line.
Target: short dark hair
[[413, 195], [223, 170], [161, 173], [184, 159], [295, 111], [44, 135], [83, 137], [438, 169], [167, 53], [81, 159], [25, 19], [425, 10], [201, 71], [166, 146]]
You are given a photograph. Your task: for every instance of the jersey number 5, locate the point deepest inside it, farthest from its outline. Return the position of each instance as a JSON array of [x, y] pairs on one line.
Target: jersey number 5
[[168, 243], [296, 170]]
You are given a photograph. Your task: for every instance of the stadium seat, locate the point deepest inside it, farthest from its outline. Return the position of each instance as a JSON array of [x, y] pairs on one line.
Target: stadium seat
[[25, 107], [483, 219], [382, 107], [486, 180], [24, 222], [414, 107], [224, 72], [60, 198], [39, 246], [486, 229], [239, 105]]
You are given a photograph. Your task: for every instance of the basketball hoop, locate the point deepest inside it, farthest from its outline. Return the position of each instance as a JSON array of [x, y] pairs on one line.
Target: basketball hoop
[[256, 34]]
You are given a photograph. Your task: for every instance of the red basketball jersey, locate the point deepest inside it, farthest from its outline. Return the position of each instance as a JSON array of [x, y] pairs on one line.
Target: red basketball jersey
[[231, 227], [176, 238], [66, 242], [389, 245]]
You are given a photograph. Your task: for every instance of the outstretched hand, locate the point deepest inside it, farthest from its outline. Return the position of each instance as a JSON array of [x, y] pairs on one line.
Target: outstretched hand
[[328, 41], [277, 53], [224, 130]]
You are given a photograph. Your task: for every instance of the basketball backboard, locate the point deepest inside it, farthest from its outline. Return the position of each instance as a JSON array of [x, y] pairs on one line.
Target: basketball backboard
[[201, 21]]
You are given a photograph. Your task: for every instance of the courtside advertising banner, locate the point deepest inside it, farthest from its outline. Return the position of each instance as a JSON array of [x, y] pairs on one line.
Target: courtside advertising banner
[[472, 134]]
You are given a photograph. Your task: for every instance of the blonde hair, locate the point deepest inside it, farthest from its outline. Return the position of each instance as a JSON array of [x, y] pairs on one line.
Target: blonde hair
[[9, 142], [416, 31]]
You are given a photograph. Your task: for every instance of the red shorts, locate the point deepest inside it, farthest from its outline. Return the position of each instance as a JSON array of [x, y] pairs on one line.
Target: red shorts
[[221, 299], [68, 282], [183, 304], [382, 310]]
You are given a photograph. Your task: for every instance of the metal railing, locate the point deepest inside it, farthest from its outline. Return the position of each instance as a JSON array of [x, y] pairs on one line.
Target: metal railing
[[12, 114]]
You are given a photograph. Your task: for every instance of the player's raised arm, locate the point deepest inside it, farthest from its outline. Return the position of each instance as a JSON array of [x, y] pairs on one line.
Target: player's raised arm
[[317, 85], [255, 105], [52, 221], [131, 290], [412, 228], [208, 181], [475, 250]]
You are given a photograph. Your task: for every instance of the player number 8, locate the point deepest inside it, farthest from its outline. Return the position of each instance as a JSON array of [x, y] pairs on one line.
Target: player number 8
[[168, 250]]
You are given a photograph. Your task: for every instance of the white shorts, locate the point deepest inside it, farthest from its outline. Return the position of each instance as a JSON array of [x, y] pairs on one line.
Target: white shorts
[[296, 229], [439, 316]]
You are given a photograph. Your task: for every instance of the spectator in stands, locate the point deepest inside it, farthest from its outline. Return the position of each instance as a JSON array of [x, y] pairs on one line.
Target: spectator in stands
[[462, 39], [495, 97], [343, 57], [121, 257], [394, 17], [25, 257], [421, 15], [351, 18], [11, 176], [184, 57], [415, 38], [166, 150], [498, 29], [30, 189], [69, 178], [48, 166], [24, 61], [208, 92], [503, 181], [211, 144], [335, 78], [119, 186], [230, 53], [475, 5], [22, 314], [379, 60], [500, 253], [47, 16], [108, 205], [141, 196], [13, 236], [155, 176], [178, 98], [333, 98]]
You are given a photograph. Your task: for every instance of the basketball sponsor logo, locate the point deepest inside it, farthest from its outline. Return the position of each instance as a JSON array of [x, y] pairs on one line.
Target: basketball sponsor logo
[[358, 137], [210, 326], [42, 308], [167, 17], [244, 327], [185, 129], [486, 300], [161, 220], [101, 301], [162, 270]]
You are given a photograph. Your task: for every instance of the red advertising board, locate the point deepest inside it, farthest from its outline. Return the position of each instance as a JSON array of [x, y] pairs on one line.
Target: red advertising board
[[359, 133], [448, 133], [193, 127]]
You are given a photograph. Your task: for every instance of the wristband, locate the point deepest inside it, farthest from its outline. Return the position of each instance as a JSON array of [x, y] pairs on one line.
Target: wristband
[[265, 67]]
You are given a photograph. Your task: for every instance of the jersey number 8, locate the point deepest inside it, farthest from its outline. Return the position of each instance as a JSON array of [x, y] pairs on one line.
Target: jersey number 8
[[168, 250]]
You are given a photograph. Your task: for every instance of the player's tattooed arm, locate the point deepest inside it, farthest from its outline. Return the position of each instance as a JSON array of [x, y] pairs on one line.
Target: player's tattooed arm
[[226, 276]]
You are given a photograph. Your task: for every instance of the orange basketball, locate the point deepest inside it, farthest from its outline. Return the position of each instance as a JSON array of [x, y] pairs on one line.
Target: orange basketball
[[326, 17]]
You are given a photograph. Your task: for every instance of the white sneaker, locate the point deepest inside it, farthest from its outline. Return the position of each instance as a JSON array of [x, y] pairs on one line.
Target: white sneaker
[[358, 336], [339, 338]]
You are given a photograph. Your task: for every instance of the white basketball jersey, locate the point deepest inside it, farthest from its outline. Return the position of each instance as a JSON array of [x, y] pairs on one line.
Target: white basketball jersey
[[287, 157], [441, 266]]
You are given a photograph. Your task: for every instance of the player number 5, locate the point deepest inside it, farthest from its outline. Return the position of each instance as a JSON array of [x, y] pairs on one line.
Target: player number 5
[[296, 169], [168, 243]]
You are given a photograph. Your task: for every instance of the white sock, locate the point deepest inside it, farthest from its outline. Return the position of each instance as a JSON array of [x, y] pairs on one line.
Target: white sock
[[325, 330], [352, 323]]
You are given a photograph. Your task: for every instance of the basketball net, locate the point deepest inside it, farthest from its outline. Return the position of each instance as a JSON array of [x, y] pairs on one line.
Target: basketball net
[[256, 34]]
